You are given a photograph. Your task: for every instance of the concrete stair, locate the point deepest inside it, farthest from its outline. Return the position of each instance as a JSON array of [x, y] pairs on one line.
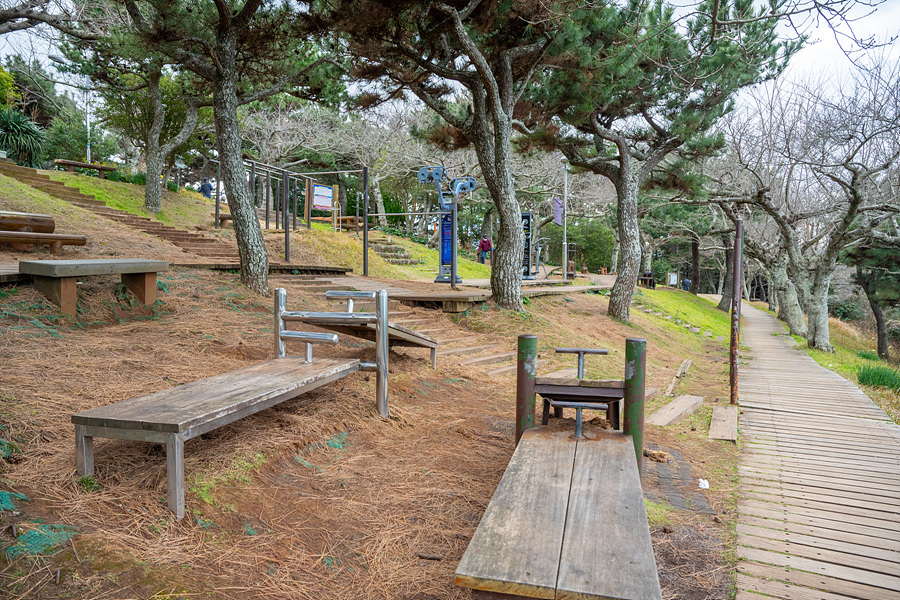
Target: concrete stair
[[390, 252]]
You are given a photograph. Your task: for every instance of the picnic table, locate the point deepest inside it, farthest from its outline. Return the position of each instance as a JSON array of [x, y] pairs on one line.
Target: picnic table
[[58, 279]]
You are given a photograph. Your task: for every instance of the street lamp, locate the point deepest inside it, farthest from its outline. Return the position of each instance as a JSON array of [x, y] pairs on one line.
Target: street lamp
[[565, 247]]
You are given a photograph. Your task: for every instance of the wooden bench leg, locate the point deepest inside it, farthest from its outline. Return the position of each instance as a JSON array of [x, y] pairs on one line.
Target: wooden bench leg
[[142, 285], [61, 291], [434, 358], [545, 415], [84, 452], [175, 473]]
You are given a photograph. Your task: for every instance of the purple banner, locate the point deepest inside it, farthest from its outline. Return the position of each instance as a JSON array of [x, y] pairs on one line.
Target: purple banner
[[558, 211]]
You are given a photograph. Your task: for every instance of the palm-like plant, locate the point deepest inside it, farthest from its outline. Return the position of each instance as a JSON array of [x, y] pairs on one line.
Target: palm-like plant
[[21, 137]]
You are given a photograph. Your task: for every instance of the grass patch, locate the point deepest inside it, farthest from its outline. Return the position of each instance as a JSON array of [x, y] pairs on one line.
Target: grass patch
[[88, 484], [240, 470], [879, 376], [868, 355], [658, 514], [183, 208], [692, 309]]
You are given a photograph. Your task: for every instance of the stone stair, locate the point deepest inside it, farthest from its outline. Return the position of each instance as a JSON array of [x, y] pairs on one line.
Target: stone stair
[[391, 252], [189, 241]]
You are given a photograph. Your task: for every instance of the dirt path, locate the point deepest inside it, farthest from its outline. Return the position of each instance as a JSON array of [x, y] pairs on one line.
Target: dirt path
[[820, 479]]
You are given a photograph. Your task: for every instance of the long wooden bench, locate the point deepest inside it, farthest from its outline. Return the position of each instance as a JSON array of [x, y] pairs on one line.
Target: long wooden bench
[[566, 521], [58, 279], [175, 415], [23, 240], [71, 165]]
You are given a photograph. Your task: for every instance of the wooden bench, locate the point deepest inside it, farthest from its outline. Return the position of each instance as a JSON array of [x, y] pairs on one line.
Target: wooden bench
[[57, 279], [19, 221], [71, 165], [566, 521], [24, 240], [175, 415]]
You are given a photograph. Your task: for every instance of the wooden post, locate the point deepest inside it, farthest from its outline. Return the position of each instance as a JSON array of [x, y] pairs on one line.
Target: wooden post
[[526, 370], [306, 204], [218, 177], [736, 309], [635, 371]]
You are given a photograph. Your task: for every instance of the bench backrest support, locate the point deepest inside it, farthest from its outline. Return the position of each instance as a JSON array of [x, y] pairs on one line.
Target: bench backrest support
[[380, 320]]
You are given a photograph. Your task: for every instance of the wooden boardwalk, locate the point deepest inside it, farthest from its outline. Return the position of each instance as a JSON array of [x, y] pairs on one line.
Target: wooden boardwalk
[[819, 510]]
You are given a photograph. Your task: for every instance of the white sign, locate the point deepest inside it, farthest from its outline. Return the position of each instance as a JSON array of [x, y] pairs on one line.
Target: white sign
[[323, 197], [673, 279]]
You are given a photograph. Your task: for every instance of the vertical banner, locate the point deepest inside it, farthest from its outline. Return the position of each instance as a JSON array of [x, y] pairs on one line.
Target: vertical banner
[[526, 255], [446, 239]]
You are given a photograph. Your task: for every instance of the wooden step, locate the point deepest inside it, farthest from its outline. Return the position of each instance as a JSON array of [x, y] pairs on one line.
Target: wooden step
[[724, 423], [511, 369], [675, 411], [465, 350], [489, 359]]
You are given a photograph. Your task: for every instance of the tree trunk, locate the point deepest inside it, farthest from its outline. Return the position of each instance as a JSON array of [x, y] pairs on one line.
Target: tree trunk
[[435, 240], [487, 224], [746, 288], [153, 156], [342, 196], [647, 255], [869, 283], [721, 283], [695, 264], [251, 248], [423, 223], [728, 281], [614, 258], [789, 309], [379, 201], [818, 334], [630, 241]]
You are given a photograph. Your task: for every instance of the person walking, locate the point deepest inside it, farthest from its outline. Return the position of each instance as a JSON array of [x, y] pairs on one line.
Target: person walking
[[484, 246], [206, 188]]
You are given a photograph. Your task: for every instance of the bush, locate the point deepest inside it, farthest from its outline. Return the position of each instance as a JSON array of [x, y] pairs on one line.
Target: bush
[[22, 139], [868, 355], [116, 176], [846, 309], [893, 330], [172, 186], [879, 376], [139, 178]]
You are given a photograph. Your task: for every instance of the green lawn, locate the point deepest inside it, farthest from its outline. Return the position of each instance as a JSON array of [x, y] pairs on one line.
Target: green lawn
[[692, 309]]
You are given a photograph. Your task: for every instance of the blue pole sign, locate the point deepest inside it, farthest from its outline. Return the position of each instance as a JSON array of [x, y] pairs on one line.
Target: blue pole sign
[[446, 239]]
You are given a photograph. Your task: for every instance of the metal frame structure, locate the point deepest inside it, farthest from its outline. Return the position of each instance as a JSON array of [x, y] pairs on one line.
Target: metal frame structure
[[379, 318]]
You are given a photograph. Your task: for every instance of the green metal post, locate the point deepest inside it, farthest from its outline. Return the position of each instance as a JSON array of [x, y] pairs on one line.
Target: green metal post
[[635, 371], [526, 368]]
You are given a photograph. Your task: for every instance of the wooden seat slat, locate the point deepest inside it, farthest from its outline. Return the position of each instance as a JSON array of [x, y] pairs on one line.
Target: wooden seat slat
[[217, 398], [29, 237], [607, 552], [516, 548]]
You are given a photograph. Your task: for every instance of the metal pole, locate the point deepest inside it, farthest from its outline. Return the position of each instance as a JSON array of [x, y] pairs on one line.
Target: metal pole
[[87, 115], [454, 242], [268, 195], [253, 185], [285, 190], [565, 245], [635, 370], [366, 221], [218, 183], [307, 201], [296, 197], [526, 369], [357, 214], [736, 307], [381, 353], [280, 301]]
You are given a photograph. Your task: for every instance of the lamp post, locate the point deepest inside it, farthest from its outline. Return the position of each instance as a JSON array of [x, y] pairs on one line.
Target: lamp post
[[87, 113], [565, 246]]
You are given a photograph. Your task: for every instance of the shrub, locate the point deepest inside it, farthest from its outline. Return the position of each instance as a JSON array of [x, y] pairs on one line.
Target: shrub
[[893, 330], [139, 178], [845, 309], [879, 376], [21, 138], [868, 355], [172, 186], [116, 176]]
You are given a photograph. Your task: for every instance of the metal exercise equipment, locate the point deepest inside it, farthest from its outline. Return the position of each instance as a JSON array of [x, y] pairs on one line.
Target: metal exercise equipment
[[449, 201]]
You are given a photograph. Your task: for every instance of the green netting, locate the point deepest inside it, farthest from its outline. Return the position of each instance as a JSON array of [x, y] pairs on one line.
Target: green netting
[[250, 530], [7, 448], [41, 540], [6, 499]]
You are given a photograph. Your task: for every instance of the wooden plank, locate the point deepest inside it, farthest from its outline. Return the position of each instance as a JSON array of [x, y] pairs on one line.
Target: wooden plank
[[683, 368], [835, 557], [27, 237], [848, 507], [782, 591], [517, 545], [837, 514], [586, 383], [885, 586], [607, 552], [724, 423], [817, 483], [860, 550], [817, 521], [217, 398], [675, 411], [19, 221], [829, 534]]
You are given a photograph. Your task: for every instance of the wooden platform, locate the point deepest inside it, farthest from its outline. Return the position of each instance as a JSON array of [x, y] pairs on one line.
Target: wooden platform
[[820, 479], [566, 521], [675, 411]]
